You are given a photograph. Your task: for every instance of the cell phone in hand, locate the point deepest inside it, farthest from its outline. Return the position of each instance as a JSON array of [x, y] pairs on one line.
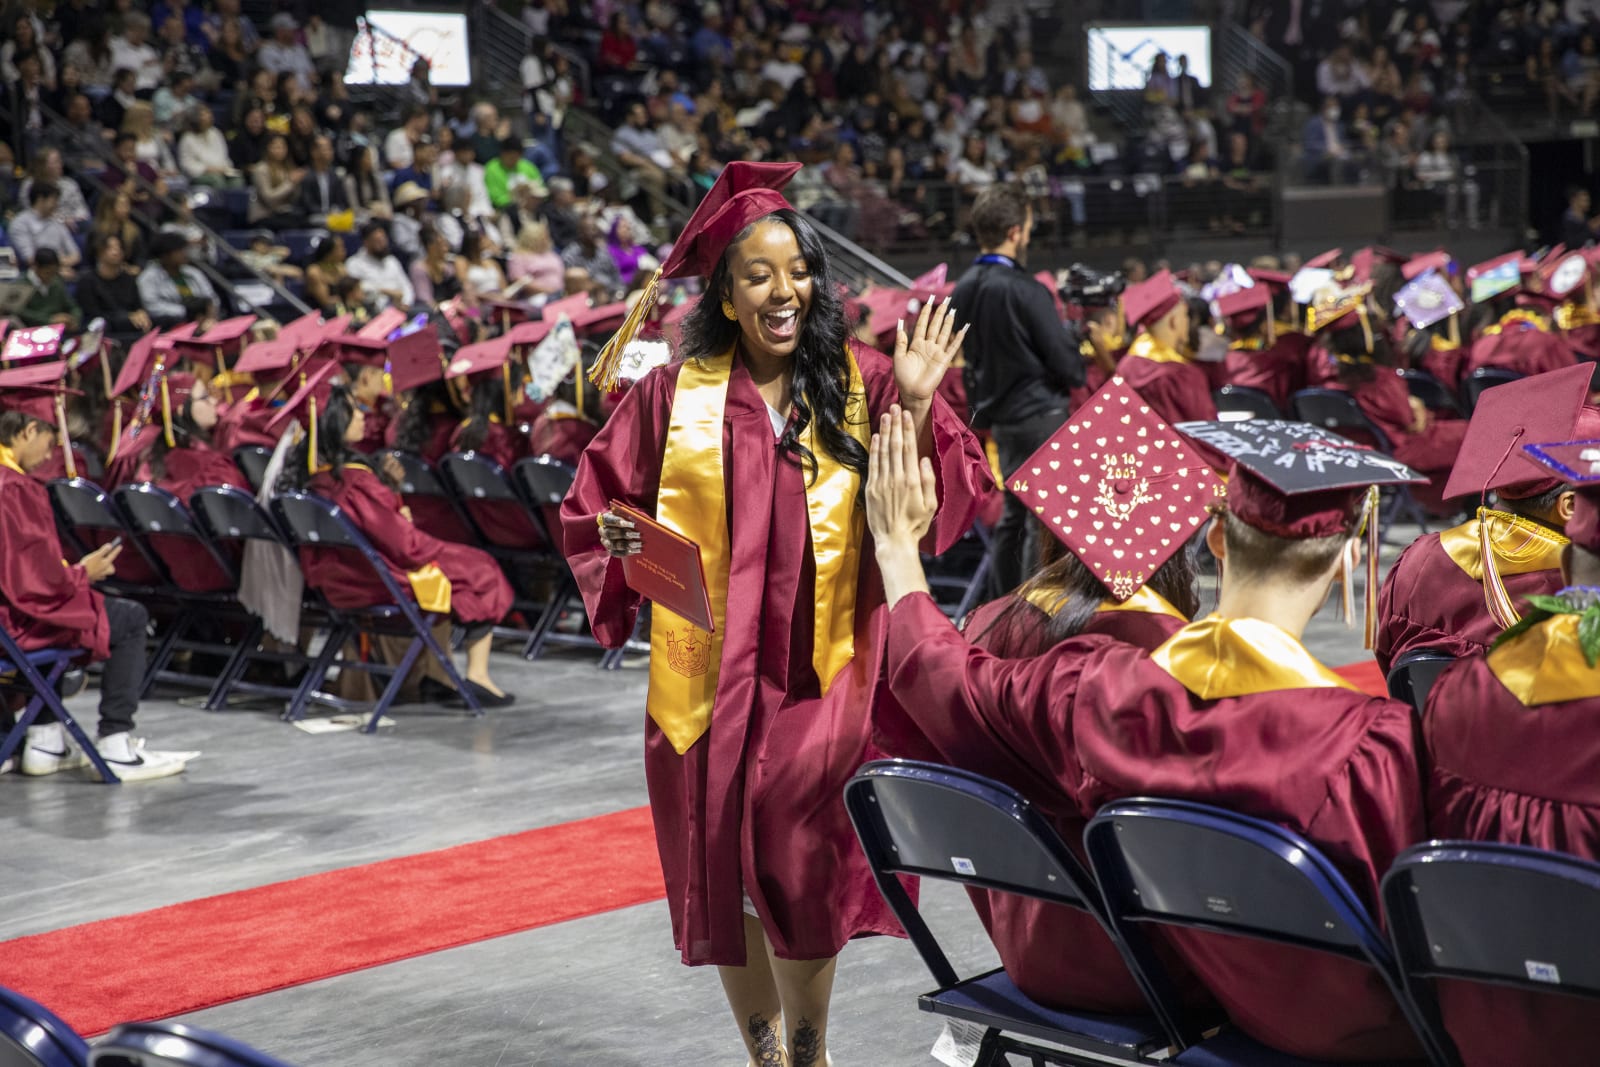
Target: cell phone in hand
[[115, 542]]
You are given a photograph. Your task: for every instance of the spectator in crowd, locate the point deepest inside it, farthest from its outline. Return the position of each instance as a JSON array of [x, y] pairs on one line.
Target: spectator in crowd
[[1327, 152], [1243, 187], [589, 263], [535, 266], [322, 191], [1339, 76], [364, 188], [71, 209], [560, 212], [433, 274], [284, 54], [131, 50], [79, 136], [399, 147], [149, 146], [247, 145], [172, 289], [230, 55], [150, 183], [124, 94], [1579, 228], [618, 50], [380, 272], [506, 169], [276, 182], [1188, 94], [50, 303], [1438, 172], [461, 168], [92, 56], [114, 216], [109, 291], [481, 276], [302, 131], [203, 155], [639, 148], [410, 215], [325, 271], [36, 229], [633, 260], [172, 102], [1247, 106], [424, 154], [24, 42], [1158, 85]]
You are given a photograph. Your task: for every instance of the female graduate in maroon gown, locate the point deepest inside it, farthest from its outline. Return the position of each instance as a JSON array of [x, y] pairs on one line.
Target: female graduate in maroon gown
[[478, 594], [492, 395], [177, 453], [573, 417], [753, 445]]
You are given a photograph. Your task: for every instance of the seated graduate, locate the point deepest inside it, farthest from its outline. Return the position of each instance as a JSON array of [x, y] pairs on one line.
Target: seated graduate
[[276, 367], [1456, 590], [1141, 602], [573, 417], [365, 365], [1116, 576], [174, 449], [428, 422], [1430, 310], [1156, 366], [1511, 746], [490, 380], [1231, 710], [456, 578], [1259, 355], [47, 603], [1521, 339]]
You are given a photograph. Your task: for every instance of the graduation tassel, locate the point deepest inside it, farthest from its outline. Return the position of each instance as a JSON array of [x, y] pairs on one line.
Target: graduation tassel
[[1455, 330], [1369, 627], [116, 430], [607, 365], [1494, 589], [1347, 584], [311, 437], [66, 439], [505, 391], [166, 413]]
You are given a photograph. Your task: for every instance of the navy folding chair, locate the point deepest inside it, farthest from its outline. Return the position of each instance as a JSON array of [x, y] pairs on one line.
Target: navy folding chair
[[510, 529], [1413, 674], [33, 1035], [35, 676], [167, 1044], [1337, 410], [1431, 391], [88, 520], [1484, 378], [252, 461], [311, 522], [1191, 865], [939, 822], [434, 507], [1236, 403], [1516, 917]]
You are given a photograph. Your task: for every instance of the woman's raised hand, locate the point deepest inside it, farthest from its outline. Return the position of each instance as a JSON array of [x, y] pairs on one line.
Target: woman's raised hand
[[922, 356]]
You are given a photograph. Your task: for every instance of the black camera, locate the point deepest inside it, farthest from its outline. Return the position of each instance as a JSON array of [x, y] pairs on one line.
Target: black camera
[[1087, 287]]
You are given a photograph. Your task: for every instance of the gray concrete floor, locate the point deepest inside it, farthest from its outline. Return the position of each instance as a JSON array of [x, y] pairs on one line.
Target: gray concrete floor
[[268, 802]]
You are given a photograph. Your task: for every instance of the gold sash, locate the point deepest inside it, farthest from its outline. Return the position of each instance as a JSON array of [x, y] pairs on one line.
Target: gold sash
[[1545, 664], [8, 458], [431, 588], [1521, 546], [1146, 600], [1156, 352], [1532, 318], [685, 660], [1216, 658]]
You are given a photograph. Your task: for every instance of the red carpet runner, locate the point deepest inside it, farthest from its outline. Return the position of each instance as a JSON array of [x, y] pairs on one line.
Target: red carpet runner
[[201, 953], [1365, 676]]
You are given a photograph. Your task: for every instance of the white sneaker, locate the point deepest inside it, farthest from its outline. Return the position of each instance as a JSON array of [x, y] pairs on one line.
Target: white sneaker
[[139, 746], [8, 765], [48, 749], [134, 764]]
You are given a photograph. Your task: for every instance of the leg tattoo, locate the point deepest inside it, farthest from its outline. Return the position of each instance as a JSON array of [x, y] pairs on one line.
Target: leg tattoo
[[769, 1052], [807, 1045]]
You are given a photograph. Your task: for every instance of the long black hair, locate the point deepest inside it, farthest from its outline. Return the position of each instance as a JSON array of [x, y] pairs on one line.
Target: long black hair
[[488, 401], [1353, 360], [821, 367], [416, 424], [333, 421], [1076, 594], [185, 433]]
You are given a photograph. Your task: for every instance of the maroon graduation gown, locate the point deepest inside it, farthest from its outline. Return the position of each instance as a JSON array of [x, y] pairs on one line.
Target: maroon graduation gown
[[244, 424], [1583, 341], [501, 444], [561, 438], [1058, 956], [1279, 370], [1385, 399], [479, 591], [1178, 392], [1519, 346], [44, 603], [1505, 772], [188, 468], [755, 804], [1094, 720], [1428, 601], [375, 432]]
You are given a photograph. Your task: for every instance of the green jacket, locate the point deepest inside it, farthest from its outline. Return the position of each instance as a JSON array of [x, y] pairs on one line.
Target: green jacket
[[45, 304], [498, 180]]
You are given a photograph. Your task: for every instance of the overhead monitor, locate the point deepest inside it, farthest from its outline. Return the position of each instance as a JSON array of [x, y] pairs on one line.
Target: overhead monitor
[[388, 44], [1120, 56]]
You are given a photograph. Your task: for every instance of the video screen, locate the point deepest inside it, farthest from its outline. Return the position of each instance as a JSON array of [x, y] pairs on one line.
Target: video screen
[[388, 43], [1120, 56]]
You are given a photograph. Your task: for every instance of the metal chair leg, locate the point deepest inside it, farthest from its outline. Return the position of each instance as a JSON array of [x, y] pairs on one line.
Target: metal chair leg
[[397, 678]]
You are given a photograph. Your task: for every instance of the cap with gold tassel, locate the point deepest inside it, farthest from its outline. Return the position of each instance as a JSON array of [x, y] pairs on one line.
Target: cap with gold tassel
[[36, 390], [304, 407], [743, 193]]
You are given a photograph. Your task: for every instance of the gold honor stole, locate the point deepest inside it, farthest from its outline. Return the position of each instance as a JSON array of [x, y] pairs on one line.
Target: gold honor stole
[[429, 585], [1545, 664], [8, 458], [1216, 658], [1144, 599], [1521, 546], [685, 660], [1156, 352]]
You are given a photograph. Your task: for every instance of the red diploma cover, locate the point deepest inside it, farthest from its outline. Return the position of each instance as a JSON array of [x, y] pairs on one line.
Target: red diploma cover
[[667, 569]]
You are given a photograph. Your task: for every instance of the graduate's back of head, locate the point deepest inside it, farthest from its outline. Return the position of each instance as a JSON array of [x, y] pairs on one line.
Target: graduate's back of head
[[12, 424], [1257, 556]]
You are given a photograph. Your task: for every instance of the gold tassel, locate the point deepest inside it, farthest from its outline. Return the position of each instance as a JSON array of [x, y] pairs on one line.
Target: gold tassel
[[1455, 329], [1369, 628], [606, 366], [505, 390], [116, 429], [388, 377], [311, 438], [1494, 590], [1366, 327], [166, 414], [577, 379], [1272, 328], [66, 439]]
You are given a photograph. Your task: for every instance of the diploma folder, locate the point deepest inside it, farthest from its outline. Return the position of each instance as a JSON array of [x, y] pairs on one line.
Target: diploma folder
[[667, 569]]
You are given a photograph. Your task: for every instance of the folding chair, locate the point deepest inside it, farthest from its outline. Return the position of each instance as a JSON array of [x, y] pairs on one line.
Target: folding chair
[[433, 506], [311, 522], [87, 520], [972, 586], [1474, 384], [167, 1044], [1192, 865], [253, 461], [1236, 403], [31, 1034], [939, 822], [35, 675], [1431, 391], [1413, 674], [1518, 918], [1337, 410]]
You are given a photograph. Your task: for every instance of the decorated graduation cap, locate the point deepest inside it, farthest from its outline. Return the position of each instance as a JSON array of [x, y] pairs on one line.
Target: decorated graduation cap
[[37, 391], [1334, 309], [1493, 277], [1577, 463], [1417, 266], [32, 344], [1144, 304], [381, 325], [1297, 481], [552, 362], [743, 193], [1561, 276], [1427, 299], [1118, 488]]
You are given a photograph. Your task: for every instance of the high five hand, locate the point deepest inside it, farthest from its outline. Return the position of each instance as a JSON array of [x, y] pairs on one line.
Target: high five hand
[[922, 357]]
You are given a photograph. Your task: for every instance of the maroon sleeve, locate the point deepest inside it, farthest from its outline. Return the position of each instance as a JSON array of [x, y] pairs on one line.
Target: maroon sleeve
[[375, 509], [35, 581]]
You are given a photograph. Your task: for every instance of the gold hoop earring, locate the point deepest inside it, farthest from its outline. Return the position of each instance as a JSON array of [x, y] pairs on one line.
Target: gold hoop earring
[[728, 312]]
